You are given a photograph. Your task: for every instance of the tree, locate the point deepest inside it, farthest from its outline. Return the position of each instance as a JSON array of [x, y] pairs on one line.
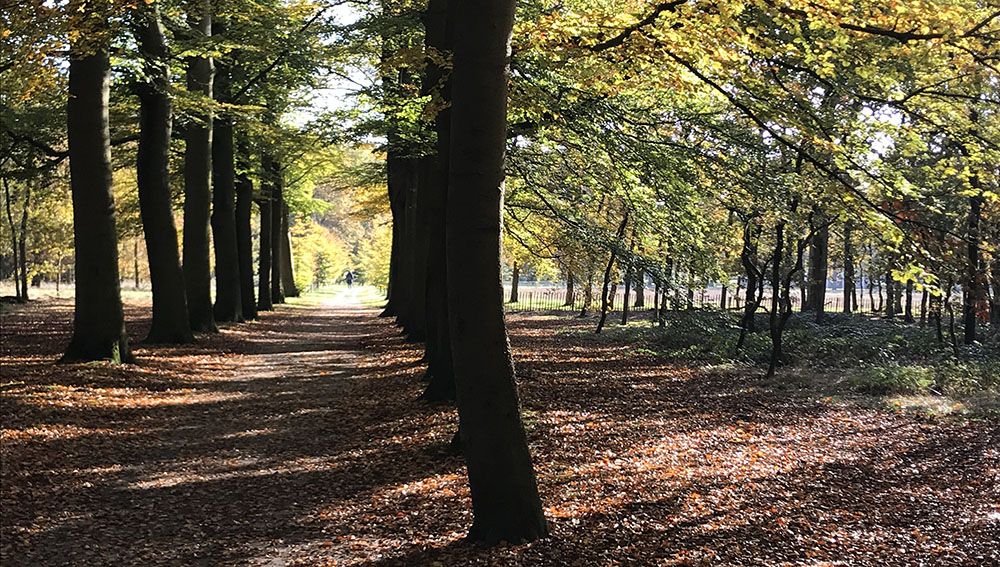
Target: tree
[[505, 501], [198, 175], [98, 319], [228, 301], [170, 314]]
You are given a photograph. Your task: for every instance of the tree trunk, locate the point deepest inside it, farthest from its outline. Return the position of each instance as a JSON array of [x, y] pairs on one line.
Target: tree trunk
[[23, 241], [923, 308], [287, 259], [277, 234], [819, 252], [995, 282], [244, 245], [606, 301], [748, 257], [640, 289], [570, 296], [197, 182], [776, 334], [849, 287], [515, 277], [271, 171], [908, 306], [13, 243], [98, 319], [440, 370], [228, 302], [973, 284], [505, 501]]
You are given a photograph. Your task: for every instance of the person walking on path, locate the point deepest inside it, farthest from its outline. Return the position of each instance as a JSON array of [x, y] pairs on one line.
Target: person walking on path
[[349, 277]]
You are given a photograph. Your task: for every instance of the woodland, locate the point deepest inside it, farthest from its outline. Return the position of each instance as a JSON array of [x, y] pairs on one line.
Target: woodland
[[485, 282]]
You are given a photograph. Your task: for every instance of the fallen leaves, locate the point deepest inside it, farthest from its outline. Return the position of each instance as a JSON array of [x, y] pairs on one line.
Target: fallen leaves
[[298, 439]]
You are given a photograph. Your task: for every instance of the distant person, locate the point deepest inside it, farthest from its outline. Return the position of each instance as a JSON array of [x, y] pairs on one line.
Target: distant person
[[349, 277]]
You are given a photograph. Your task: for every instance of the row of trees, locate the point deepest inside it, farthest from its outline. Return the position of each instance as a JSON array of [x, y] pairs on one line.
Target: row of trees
[[690, 142], [242, 65], [685, 140]]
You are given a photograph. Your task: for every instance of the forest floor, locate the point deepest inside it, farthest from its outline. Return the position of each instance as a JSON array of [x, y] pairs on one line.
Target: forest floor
[[298, 439]]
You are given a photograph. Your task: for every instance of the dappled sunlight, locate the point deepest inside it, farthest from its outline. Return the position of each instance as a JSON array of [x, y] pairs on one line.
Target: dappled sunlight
[[310, 448]]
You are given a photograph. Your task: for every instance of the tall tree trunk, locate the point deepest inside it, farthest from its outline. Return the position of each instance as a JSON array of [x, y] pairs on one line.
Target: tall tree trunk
[[287, 267], [776, 335], [628, 280], [98, 319], [849, 287], [228, 302], [515, 277], [748, 257], [244, 245], [13, 243], [973, 277], [819, 253], [505, 501], [271, 171], [277, 235], [440, 370], [22, 243], [197, 181]]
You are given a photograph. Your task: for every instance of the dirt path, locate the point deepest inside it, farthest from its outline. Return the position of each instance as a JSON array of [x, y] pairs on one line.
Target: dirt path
[[297, 439]]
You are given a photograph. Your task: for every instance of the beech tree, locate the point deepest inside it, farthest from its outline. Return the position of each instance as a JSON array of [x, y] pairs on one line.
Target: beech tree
[[505, 500], [98, 319], [170, 313]]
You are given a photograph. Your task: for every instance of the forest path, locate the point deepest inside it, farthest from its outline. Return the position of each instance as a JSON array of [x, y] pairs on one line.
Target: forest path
[[298, 439], [218, 452]]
